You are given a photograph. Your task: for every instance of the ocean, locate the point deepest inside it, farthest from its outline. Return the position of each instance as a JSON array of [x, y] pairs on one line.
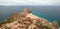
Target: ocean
[[50, 13]]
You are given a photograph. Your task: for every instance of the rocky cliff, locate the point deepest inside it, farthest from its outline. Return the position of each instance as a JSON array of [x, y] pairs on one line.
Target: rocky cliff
[[26, 20]]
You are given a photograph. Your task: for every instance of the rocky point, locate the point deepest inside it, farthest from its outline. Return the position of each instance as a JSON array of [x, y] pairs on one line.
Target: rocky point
[[26, 20]]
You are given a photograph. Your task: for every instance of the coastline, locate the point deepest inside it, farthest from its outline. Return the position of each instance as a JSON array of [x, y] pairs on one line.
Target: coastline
[[39, 17], [27, 19], [34, 15]]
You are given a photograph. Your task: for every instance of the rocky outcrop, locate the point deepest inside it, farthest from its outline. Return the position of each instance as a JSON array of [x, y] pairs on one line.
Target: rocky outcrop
[[25, 20], [55, 24], [19, 15]]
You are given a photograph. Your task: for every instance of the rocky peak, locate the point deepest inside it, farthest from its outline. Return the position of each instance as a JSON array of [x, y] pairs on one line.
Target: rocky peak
[[26, 10]]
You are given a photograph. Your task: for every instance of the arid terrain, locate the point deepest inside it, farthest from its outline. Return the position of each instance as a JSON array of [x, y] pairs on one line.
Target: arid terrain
[[26, 20]]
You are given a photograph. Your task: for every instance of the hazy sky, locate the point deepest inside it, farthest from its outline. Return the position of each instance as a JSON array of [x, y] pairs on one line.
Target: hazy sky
[[31, 2]]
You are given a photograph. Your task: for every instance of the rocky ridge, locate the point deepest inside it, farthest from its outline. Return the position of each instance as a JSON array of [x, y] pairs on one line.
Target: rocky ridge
[[26, 20]]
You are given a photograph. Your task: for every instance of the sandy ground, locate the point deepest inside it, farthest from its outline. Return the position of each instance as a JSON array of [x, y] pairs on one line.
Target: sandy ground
[[32, 16]]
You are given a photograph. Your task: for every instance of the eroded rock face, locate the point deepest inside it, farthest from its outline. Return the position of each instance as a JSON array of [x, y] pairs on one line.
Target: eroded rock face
[[24, 20]]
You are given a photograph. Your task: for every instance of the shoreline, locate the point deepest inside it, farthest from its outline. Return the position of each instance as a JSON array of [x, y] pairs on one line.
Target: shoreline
[[39, 17], [34, 15]]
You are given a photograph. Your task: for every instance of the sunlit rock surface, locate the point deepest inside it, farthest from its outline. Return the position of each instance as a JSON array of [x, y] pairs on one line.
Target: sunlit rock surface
[[55, 24], [26, 20]]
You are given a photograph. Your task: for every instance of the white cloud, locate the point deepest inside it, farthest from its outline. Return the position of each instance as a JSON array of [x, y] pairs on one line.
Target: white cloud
[[7, 2], [38, 2], [29, 2]]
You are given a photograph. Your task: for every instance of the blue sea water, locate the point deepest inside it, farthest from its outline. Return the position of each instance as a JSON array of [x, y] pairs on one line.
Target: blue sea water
[[50, 13]]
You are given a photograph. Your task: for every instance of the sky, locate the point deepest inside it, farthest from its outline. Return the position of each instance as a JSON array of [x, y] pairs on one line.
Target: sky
[[31, 2]]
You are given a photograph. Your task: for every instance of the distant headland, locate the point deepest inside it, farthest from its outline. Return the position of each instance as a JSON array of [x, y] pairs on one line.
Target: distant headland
[[26, 20]]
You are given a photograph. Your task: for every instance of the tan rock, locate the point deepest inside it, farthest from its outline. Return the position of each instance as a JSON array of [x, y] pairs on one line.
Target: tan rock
[[55, 24], [26, 20], [32, 27]]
